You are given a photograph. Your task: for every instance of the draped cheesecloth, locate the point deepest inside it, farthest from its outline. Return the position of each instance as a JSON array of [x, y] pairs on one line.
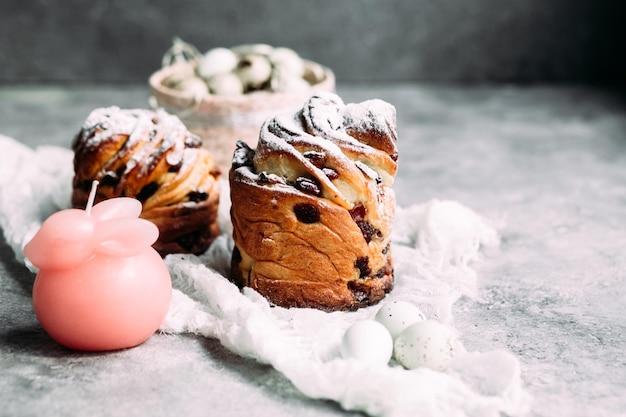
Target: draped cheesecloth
[[434, 246]]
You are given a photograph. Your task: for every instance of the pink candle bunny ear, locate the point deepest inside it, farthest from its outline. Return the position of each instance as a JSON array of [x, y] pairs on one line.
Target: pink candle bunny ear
[[63, 241], [117, 208], [124, 237]]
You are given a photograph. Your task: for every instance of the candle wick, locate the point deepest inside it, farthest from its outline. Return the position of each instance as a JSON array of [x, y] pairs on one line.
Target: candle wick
[[92, 197]]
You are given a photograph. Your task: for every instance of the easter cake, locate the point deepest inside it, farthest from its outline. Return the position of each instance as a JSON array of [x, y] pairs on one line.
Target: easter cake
[[150, 156], [312, 205]]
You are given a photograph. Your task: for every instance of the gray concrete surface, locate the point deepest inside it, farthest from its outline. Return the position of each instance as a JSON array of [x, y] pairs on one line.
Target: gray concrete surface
[[550, 161]]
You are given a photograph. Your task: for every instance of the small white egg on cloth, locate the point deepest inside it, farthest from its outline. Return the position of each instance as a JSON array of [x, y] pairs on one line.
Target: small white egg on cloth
[[398, 315], [369, 341], [426, 343]]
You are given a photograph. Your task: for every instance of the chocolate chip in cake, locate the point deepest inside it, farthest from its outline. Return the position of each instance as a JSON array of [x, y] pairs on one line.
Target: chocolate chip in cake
[[197, 196], [147, 191], [306, 213], [362, 264], [308, 185]]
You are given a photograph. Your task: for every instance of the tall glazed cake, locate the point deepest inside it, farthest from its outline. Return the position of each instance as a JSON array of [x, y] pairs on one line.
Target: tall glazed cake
[[312, 205]]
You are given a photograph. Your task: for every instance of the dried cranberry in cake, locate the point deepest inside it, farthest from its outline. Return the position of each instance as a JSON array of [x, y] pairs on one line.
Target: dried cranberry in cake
[[330, 173], [367, 230], [308, 185], [317, 158], [306, 213], [358, 212]]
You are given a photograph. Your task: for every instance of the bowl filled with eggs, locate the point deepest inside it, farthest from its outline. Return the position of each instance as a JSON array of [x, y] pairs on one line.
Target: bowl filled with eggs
[[225, 94]]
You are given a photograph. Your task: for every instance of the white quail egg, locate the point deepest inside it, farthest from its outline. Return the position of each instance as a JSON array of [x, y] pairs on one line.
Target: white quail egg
[[368, 341]]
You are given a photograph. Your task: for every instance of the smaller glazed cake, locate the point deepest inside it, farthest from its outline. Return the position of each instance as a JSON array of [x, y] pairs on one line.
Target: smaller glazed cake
[[150, 156], [312, 205]]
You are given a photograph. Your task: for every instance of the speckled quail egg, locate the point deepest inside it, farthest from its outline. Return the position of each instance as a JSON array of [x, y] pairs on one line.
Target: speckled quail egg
[[192, 85], [398, 315], [368, 341], [284, 82], [217, 61], [313, 73], [288, 61], [254, 71], [253, 48], [426, 343], [225, 84]]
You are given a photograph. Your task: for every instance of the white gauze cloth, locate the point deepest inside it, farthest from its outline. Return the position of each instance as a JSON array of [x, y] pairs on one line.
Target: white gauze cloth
[[433, 246]]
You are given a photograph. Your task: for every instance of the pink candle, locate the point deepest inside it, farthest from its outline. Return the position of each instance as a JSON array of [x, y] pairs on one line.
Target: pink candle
[[100, 286]]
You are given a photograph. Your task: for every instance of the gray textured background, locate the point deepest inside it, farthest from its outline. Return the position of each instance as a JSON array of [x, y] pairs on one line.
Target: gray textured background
[[574, 41]]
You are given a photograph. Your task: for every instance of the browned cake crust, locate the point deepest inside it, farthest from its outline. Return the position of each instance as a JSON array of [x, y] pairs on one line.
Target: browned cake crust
[[312, 206], [150, 156]]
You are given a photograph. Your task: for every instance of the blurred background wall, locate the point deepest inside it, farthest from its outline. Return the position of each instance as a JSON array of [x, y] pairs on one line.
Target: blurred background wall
[[512, 41]]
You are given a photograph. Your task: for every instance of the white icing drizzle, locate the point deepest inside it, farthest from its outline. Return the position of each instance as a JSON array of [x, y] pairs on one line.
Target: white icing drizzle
[[357, 141], [144, 139]]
